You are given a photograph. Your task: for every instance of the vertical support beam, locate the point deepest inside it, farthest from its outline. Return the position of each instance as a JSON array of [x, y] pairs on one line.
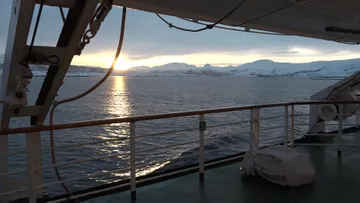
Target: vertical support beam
[[340, 129], [292, 126], [202, 128], [33, 148], [255, 122], [132, 160], [286, 125], [20, 21], [75, 24]]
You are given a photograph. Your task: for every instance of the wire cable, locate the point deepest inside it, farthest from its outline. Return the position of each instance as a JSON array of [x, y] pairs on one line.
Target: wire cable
[[235, 29], [266, 14], [325, 11], [207, 26], [118, 51]]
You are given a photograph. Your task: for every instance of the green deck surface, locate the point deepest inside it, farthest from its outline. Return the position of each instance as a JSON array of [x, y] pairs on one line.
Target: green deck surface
[[337, 180]]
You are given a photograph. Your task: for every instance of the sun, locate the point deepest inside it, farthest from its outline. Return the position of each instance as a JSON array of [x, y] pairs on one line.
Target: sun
[[122, 64]]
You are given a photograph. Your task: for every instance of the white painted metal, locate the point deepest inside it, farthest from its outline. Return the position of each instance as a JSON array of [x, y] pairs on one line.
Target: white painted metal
[[331, 93], [133, 158], [340, 128], [20, 20], [292, 127], [201, 146], [27, 111], [286, 125], [254, 136], [34, 159], [251, 130]]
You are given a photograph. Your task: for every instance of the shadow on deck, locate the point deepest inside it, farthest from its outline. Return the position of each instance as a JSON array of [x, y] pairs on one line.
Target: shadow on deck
[[337, 180]]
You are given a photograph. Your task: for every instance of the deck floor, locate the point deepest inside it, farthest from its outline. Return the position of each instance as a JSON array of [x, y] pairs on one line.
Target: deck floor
[[337, 180]]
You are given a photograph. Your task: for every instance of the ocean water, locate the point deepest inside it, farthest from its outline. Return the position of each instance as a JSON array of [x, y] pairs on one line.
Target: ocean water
[[130, 96]]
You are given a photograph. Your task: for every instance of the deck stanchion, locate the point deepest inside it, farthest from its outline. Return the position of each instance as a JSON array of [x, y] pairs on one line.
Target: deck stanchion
[[34, 157], [251, 129], [292, 123], [132, 161], [286, 125], [254, 128], [340, 129], [202, 128]]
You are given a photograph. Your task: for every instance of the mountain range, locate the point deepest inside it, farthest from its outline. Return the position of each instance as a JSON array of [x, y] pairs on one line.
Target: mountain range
[[260, 68]]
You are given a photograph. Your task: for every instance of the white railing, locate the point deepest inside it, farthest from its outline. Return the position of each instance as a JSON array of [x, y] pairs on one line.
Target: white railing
[[287, 123]]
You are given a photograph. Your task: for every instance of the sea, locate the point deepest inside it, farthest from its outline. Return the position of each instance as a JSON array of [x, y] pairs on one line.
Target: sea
[[124, 96]]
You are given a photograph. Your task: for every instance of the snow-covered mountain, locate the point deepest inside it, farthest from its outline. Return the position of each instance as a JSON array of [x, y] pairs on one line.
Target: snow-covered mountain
[[341, 68], [260, 68]]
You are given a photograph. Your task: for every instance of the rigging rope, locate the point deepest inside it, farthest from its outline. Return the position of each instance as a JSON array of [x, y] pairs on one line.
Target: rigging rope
[[57, 103], [207, 26]]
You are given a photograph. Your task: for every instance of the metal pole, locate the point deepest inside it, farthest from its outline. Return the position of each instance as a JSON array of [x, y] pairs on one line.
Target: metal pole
[[357, 118], [292, 124], [340, 129], [132, 160], [256, 127], [202, 128], [31, 171], [251, 129], [34, 157], [286, 127]]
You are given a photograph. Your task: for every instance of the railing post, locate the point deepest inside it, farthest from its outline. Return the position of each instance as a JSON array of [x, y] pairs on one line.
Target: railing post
[[4, 162], [202, 128], [292, 123], [255, 128], [251, 129], [340, 129], [286, 125], [132, 160], [33, 148]]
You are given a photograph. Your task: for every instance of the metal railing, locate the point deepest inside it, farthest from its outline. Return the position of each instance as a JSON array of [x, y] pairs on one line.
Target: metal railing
[[283, 124]]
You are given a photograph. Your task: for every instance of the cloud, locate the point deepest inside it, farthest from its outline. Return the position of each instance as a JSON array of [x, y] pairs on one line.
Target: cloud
[[139, 57], [149, 42]]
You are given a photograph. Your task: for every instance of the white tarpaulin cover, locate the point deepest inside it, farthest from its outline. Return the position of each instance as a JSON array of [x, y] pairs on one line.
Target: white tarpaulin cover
[[281, 165]]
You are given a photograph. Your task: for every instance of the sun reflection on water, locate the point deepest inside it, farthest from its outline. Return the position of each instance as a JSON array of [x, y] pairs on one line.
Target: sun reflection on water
[[118, 105]]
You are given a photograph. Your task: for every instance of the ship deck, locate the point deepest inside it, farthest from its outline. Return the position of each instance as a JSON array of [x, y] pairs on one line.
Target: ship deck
[[337, 180]]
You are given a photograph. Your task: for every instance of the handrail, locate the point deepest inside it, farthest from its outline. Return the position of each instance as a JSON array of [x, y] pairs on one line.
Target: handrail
[[89, 123], [254, 139]]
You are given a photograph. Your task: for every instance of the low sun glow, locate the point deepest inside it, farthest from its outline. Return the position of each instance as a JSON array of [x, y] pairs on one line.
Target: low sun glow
[[122, 64]]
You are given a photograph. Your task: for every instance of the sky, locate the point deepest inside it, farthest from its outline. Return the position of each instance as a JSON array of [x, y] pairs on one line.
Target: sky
[[150, 42]]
